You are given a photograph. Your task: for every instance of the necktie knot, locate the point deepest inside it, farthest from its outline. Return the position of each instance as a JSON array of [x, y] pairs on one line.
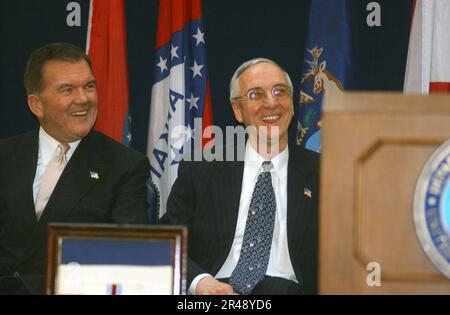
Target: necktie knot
[[267, 166], [62, 150]]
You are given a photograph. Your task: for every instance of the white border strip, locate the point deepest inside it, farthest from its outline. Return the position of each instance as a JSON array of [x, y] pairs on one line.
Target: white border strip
[[88, 37]]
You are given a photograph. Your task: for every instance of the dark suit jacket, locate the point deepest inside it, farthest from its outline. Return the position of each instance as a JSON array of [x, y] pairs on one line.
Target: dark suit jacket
[[205, 197], [117, 196]]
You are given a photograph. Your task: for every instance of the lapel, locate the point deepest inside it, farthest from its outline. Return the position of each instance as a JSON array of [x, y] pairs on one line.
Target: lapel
[[228, 194], [75, 181], [297, 212]]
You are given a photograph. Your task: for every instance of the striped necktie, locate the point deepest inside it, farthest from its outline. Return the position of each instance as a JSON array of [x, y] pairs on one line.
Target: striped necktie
[[51, 176]]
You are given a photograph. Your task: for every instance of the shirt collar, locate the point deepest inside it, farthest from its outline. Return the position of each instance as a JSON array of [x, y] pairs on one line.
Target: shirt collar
[[48, 145], [253, 162]]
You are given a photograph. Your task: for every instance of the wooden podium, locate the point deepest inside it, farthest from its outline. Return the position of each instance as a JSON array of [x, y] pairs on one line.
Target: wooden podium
[[374, 146]]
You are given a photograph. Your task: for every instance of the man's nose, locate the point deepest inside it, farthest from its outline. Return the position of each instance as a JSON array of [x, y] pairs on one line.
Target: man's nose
[[81, 96], [270, 101]]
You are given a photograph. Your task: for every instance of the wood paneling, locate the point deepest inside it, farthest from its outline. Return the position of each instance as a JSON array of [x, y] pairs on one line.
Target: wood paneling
[[374, 147]]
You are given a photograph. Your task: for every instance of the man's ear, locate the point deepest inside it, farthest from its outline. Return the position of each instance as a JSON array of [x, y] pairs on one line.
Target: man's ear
[[35, 105], [237, 110]]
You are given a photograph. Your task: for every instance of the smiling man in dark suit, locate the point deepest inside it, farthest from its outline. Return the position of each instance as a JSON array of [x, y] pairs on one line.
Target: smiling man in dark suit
[[252, 222], [63, 172]]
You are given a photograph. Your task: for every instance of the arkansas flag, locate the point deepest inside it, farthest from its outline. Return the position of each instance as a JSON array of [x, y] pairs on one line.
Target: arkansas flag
[[428, 64], [180, 103], [106, 46]]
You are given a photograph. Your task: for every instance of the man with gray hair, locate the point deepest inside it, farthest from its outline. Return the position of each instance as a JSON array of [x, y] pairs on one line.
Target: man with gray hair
[[252, 223]]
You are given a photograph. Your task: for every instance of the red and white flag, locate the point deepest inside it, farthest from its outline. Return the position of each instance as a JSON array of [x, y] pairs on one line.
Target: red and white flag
[[181, 102], [107, 47], [428, 64]]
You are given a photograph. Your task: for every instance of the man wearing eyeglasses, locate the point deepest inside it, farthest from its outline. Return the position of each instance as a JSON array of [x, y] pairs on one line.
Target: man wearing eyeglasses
[[252, 223]]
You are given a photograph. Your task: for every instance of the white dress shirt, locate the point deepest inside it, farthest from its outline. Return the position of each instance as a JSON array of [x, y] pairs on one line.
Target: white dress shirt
[[280, 264], [47, 148]]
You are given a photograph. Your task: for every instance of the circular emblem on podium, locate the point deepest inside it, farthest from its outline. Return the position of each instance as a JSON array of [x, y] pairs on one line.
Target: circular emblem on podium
[[432, 208]]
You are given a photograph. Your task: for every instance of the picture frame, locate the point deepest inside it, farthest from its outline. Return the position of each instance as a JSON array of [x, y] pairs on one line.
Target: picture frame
[[98, 259]]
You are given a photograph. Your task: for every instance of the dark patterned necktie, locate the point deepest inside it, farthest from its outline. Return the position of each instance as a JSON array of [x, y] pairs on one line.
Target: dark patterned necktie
[[255, 251]]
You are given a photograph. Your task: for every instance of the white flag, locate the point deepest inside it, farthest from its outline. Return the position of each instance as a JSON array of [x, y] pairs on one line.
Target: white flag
[[428, 64]]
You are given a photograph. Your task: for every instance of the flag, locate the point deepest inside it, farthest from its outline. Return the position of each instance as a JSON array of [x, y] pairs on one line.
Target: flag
[[106, 46], [328, 64], [180, 92], [428, 63]]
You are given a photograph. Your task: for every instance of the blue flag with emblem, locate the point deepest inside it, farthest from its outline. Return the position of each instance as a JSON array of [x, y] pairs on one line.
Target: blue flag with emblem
[[327, 64]]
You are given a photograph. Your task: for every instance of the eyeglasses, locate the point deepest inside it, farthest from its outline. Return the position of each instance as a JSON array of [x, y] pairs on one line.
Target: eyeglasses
[[279, 92]]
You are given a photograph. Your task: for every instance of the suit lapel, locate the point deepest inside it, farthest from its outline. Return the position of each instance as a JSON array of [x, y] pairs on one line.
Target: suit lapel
[[228, 194], [297, 214], [74, 182]]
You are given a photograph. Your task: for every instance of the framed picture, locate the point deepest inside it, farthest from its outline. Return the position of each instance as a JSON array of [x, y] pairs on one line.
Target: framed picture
[[102, 259]]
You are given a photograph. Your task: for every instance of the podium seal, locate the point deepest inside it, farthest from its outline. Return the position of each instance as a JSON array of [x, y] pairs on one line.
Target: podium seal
[[432, 208]]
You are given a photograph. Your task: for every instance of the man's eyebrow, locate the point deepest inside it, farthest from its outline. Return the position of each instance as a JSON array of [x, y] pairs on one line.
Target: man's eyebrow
[[260, 88], [281, 84], [254, 88], [91, 81], [64, 86], [68, 85]]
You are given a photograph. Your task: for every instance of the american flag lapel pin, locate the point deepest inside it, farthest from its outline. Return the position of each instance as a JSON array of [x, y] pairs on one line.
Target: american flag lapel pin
[[94, 175], [307, 192]]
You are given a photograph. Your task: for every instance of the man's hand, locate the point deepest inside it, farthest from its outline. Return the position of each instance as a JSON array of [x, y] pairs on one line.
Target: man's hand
[[210, 286]]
